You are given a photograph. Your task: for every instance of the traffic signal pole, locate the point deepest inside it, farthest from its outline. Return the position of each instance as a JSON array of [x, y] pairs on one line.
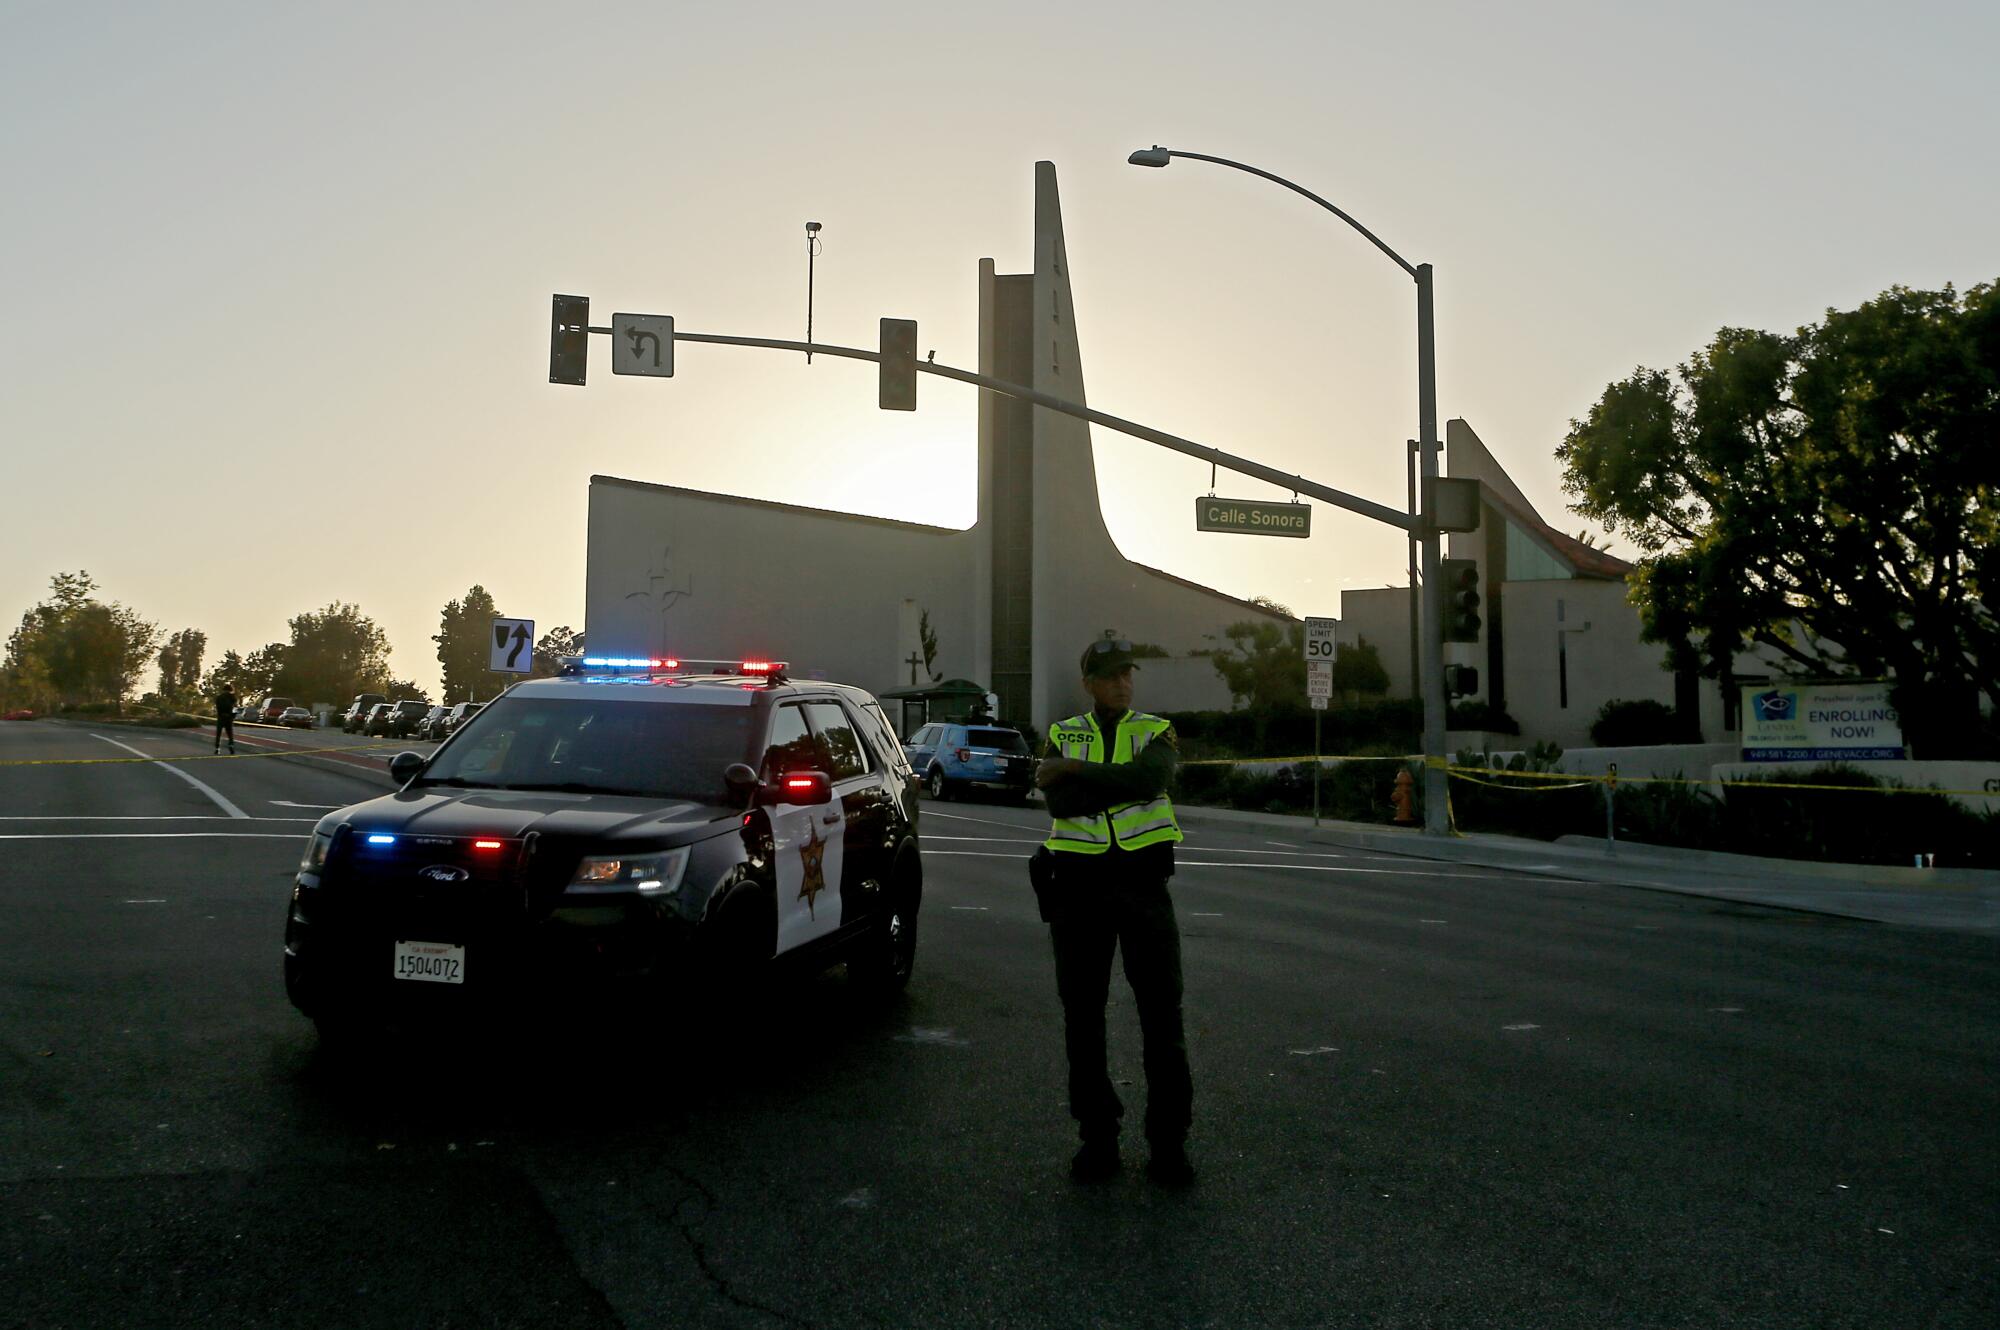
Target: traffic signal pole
[[1437, 820]]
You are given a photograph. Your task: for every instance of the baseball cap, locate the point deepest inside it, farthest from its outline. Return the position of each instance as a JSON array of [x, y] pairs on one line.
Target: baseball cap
[[1107, 655]]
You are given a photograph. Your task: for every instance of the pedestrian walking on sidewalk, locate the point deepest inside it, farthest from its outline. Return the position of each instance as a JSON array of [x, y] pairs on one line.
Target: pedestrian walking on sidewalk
[[1101, 878]]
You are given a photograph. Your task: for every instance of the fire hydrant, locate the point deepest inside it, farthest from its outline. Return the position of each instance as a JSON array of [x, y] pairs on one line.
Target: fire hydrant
[[1404, 799]]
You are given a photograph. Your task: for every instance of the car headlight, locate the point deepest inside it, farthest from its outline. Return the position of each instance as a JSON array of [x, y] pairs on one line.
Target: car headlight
[[316, 853], [656, 872]]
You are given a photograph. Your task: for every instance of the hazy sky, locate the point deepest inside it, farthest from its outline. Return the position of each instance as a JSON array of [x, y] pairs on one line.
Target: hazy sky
[[278, 276]]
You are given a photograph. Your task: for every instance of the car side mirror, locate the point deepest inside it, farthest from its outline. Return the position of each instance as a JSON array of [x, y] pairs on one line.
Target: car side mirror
[[804, 789], [405, 765], [741, 778]]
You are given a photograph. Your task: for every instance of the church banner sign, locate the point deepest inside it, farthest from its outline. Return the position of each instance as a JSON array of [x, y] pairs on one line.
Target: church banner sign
[[1251, 517], [1828, 722]]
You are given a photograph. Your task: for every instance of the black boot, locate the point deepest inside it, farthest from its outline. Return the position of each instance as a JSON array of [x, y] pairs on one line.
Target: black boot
[[1170, 1166], [1097, 1161]]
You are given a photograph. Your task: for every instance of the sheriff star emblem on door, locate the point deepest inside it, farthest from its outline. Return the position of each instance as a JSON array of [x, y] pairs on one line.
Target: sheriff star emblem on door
[[812, 853]]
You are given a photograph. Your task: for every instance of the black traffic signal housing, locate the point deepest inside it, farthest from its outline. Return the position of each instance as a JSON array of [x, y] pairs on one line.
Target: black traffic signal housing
[[1461, 600], [896, 379], [1461, 680], [569, 339]]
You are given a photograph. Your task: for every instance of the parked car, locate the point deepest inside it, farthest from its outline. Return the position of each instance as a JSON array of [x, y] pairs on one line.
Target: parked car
[[459, 714], [377, 719], [297, 717], [432, 725], [19, 713], [357, 711], [273, 708], [248, 711], [952, 759], [400, 721]]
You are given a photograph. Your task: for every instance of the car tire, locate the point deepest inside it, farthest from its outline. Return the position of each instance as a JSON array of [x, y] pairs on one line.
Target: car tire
[[887, 953], [935, 787]]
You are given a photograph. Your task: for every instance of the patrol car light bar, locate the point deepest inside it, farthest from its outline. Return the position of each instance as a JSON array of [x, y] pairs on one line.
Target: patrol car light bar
[[772, 670]]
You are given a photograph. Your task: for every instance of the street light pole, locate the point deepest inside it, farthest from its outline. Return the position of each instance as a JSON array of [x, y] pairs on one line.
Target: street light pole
[[1422, 523]]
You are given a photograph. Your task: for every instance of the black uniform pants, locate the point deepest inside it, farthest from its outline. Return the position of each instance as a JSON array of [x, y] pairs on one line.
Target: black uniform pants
[[225, 728], [1119, 901]]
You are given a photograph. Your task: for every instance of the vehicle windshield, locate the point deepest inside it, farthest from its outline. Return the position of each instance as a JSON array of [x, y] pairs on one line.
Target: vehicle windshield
[[1007, 741], [599, 745]]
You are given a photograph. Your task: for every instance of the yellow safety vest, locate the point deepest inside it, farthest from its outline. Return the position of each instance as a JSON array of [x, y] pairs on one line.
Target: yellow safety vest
[[1133, 826]]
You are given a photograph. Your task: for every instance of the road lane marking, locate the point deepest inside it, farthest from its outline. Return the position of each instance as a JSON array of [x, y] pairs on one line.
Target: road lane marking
[[977, 909], [1202, 863], [148, 835], [150, 900], [1524, 1025], [1204, 914], [977, 854], [997, 840], [982, 821], [287, 803], [139, 817], [209, 790]]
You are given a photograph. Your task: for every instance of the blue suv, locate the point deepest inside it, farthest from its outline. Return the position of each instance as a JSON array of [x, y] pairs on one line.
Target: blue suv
[[953, 759]]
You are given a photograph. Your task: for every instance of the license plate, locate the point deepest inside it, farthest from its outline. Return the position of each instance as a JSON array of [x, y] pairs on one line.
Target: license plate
[[430, 962]]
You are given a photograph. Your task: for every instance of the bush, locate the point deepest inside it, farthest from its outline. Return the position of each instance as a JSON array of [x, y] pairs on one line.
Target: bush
[[1353, 791], [1481, 716], [1639, 723], [1854, 824], [1542, 809], [1392, 724]]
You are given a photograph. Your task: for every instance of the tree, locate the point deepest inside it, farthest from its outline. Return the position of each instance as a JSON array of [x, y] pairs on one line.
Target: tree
[[261, 669], [1830, 495], [402, 690], [73, 648], [334, 653], [555, 644], [928, 640], [1266, 670], [231, 671], [465, 646], [1358, 670], [180, 664]]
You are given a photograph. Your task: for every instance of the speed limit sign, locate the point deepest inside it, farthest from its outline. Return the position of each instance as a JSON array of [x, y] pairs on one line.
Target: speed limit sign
[[1319, 657]]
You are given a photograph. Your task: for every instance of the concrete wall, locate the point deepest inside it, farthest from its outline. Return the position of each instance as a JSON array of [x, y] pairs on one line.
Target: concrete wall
[[1607, 661], [1382, 615], [703, 575]]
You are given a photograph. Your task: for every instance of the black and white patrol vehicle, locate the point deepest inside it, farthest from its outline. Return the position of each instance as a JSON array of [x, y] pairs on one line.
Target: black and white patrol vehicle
[[629, 820]]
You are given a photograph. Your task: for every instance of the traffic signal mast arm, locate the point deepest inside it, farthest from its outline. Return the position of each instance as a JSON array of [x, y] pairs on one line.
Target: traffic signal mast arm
[[1214, 456]]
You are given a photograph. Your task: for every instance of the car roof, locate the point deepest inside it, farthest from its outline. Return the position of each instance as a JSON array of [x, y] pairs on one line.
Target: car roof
[[684, 689]]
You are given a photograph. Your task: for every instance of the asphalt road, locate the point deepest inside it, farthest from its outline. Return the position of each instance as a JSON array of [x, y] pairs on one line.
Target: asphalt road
[[1425, 1096]]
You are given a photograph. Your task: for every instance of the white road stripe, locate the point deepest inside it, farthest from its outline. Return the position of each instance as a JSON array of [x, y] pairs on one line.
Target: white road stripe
[[148, 835], [1202, 863], [210, 791], [998, 840], [138, 817]]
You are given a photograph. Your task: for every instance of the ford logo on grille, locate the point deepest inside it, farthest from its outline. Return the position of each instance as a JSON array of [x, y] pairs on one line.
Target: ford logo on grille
[[444, 873]]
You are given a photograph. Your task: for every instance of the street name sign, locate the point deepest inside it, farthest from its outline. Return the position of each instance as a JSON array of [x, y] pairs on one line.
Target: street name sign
[[1252, 517], [643, 344], [513, 646]]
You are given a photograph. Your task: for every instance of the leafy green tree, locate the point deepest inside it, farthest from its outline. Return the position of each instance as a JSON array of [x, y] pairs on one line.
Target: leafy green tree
[[927, 638], [261, 669], [465, 646], [232, 672], [180, 665], [1831, 495], [73, 648], [1358, 670], [555, 644], [402, 690], [1265, 668], [334, 653]]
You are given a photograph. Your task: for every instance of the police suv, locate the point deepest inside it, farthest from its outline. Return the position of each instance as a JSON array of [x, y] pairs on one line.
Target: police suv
[[630, 819]]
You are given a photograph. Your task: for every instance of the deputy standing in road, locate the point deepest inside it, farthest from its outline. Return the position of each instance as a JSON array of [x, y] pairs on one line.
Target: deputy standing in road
[[1102, 875], [225, 718]]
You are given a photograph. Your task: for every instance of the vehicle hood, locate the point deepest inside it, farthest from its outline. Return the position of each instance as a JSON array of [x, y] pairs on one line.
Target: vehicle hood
[[515, 813]]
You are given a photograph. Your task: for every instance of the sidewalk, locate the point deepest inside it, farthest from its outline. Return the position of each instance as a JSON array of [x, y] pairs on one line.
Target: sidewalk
[[1960, 899]]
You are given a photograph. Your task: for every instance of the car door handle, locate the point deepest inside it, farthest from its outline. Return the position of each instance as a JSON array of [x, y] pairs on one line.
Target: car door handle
[[830, 819]]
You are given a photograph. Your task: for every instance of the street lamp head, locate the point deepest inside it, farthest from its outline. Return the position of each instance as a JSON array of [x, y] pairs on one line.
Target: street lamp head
[[1153, 156], [811, 227]]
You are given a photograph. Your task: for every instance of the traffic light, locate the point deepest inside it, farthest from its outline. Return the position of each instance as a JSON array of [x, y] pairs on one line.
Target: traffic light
[[896, 388], [1461, 600], [569, 339], [1461, 680]]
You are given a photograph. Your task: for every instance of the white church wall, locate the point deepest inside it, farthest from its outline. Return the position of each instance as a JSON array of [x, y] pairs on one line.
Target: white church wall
[[703, 575]]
